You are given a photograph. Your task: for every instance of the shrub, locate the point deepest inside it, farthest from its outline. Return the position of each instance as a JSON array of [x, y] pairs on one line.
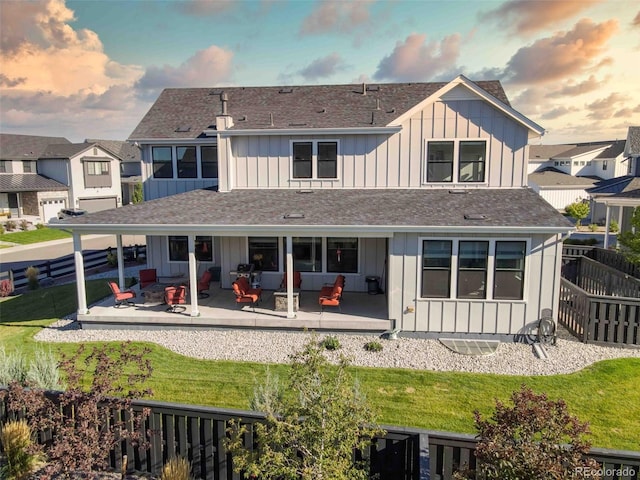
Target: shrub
[[40, 226], [13, 367], [268, 395], [614, 227], [112, 259], [593, 227], [24, 225], [15, 437], [10, 225], [535, 438], [373, 346], [32, 276], [115, 374], [6, 288], [330, 342], [43, 371], [578, 211], [177, 468]]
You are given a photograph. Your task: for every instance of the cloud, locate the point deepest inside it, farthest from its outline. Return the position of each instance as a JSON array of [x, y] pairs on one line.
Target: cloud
[[588, 85], [323, 67], [200, 8], [10, 82], [636, 21], [563, 55], [530, 16], [558, 112], [627, 112], [205, 68], [336, 16], [606, 107], [416, 60]]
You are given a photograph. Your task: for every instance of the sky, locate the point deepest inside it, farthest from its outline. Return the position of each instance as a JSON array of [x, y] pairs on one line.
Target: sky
[[92, 69]]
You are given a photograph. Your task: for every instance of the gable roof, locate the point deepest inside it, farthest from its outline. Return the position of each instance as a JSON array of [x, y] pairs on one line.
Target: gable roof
[[582, 150], [615, 186], [539, 152], [28, 182], [329, 210], [550, 177], [188, 112], [65, 151], [125, 151], [633, 142], [613, 151], [25, 147]]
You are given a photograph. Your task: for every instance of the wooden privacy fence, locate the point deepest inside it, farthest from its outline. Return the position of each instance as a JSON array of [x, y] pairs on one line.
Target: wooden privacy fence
[[65, 266], [599, 279], [599, 319], [609, 258], [198, 433]]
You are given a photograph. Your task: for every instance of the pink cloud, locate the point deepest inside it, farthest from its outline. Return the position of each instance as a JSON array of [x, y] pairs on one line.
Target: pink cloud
[[573, 89], [606, 107], [336, 16], [416, 60], [563, 55], [530, 16]]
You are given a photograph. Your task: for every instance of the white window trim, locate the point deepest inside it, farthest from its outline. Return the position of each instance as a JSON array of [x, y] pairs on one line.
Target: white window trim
[[314, 159], [456, 161], [182, 262], [453, 286], [174, 162]]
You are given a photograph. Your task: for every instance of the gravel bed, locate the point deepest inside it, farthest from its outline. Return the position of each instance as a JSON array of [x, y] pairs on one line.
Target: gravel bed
[[567, 356]]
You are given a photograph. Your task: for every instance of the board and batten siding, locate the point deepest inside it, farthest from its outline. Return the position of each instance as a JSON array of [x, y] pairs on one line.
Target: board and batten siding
[[460, 316], [392, 161]]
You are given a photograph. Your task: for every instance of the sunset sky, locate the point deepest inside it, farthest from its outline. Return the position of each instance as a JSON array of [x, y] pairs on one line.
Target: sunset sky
[[91, 69]]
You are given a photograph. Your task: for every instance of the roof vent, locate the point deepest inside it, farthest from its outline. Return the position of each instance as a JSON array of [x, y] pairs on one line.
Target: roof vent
[[322, 110], [243, 118], [373, 88], [286, 90], [307, 190], [377, 104], [364, 88], [475, 216], [270, 119], [393, 110], [224, 99], [293, 215], [297, 124], [459, 191], [183, 128]]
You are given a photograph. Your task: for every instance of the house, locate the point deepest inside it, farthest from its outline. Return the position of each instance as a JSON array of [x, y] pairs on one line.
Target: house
[[24, 190], [91, 173], [130, 164], [560, 189], [419, 185]]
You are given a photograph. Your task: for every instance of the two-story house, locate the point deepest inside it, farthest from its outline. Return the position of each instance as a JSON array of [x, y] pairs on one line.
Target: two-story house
[[422, 185]]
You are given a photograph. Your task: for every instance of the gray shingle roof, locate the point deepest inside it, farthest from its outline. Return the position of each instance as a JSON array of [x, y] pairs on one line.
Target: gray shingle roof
[[395, 208], [553, 178], [186, 112], [545, 152], [633, 142], [627, 186], [28, 182], [25, 147], [64, 151], [614, 150], [125, 151], [582, 149]]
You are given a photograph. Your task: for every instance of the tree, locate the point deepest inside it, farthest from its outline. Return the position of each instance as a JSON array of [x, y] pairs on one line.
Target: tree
[[535, 438], [629, 241], [312, 426], [578, 210], [138, 194]]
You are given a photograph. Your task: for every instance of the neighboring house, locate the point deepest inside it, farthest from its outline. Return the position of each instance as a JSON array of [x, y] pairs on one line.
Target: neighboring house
[[24, 190], [130, 164], [541, 156], [91, 173], [559, 188], [632, 151], [420, 184]]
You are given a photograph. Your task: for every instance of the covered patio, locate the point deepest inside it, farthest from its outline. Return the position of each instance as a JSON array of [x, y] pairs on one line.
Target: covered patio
[[358, 312]]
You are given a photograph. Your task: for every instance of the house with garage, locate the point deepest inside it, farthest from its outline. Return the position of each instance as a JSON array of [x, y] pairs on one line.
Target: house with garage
[[420, 187], [130, 163], [24, 190]]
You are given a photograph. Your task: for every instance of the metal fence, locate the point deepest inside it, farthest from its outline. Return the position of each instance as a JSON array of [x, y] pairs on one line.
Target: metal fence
[[198, 433]]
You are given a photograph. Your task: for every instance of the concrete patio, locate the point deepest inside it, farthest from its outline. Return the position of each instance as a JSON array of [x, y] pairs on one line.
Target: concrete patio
[[359, 312]]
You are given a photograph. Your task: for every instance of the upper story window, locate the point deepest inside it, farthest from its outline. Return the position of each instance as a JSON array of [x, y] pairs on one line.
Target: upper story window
[[456, 161], [162, 162], [27, 166], [3, 166], [209, 157], [187, 166], [314, 159], [97, 174]]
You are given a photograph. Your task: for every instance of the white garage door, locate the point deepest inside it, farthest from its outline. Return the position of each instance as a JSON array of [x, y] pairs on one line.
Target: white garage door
[[51, 209], [97, 204]]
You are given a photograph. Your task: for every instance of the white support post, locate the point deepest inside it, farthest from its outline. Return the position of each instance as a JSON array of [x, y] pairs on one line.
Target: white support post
[[79, 263], [120, 255], [289, 270], [193, 276], [606, 227]]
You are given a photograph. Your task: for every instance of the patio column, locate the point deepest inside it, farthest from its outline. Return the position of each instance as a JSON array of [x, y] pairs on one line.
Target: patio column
[[606, 227], [120, 255], [193, 276], [289, 270], [79, 263]]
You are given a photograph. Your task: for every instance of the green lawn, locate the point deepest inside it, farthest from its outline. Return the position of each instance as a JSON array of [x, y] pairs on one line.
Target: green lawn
[[35, 236], [606, 394]]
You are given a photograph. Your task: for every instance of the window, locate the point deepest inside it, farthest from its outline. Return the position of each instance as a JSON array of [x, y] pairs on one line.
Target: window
[[26, 166], [342, 255], [97, 174], [441, 160], [263, 253], [509, 270], [187, 167], [314, 159], [209, 159], [3, 166], [472, 269], [604, 165], [179, 248], [97, 168], [436, 268], [162, 162], [307, 254]]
